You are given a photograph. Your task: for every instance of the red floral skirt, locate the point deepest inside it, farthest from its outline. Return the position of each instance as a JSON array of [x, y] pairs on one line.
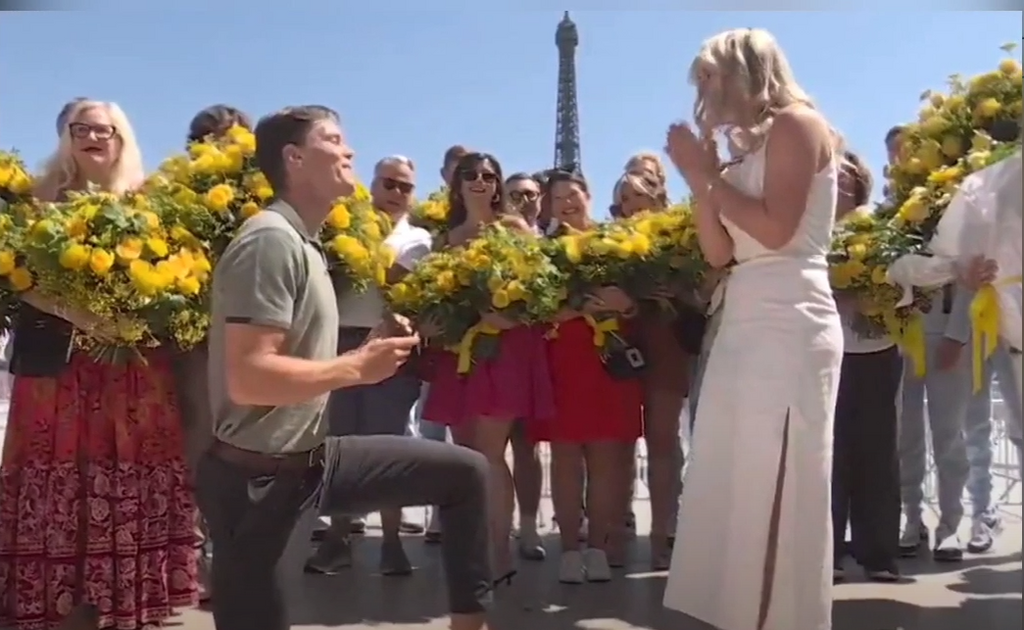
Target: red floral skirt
[[95, 505]]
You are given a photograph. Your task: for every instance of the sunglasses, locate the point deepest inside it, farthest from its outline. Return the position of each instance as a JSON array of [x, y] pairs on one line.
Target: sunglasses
[[393, 184], [520, 196], [84, 130], [472, 176]]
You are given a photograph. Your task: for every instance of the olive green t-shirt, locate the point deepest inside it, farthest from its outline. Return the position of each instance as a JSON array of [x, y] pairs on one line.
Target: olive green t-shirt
[[273, 273]]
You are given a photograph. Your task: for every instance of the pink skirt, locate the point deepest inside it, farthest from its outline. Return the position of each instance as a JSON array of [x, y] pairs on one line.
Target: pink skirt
[[514, 385]]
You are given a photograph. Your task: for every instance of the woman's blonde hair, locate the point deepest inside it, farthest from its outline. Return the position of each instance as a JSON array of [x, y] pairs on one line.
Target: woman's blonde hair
[[751, 63], [644, 172], [61, 171]]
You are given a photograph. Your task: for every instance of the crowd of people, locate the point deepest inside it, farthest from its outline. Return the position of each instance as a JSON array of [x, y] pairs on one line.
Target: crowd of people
[[104, 464]]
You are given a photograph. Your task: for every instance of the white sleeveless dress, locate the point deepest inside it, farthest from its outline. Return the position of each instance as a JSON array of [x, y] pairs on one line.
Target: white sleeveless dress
[[764, 426]]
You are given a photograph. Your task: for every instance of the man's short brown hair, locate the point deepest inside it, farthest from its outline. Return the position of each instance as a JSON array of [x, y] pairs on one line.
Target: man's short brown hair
[[215, 120], [275, 131], [454, 154]]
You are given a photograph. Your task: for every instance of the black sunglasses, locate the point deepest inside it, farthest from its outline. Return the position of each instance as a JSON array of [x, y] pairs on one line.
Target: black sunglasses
[[519, 196], [473, 175], [82, 130], [392, 184]]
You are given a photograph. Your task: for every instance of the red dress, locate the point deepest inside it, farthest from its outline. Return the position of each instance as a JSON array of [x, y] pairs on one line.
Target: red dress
[[590, 405], [514, 385], [94, 502]]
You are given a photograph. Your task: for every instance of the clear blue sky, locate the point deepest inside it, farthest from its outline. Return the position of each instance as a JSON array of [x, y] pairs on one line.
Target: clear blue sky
[[415, 82]]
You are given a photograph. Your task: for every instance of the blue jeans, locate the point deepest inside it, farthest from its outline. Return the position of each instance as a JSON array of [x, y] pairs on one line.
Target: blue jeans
[[420, 427], [949, 392], [978, 427]]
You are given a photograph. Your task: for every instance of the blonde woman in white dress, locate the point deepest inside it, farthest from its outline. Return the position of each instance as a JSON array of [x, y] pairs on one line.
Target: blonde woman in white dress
[[754, 541]]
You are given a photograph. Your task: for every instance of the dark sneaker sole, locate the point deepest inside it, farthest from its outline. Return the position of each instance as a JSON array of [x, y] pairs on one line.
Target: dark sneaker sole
[[947, 556]]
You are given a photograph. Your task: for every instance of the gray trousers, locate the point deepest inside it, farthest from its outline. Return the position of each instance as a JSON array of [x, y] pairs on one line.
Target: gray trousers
[[252, 515], [948, 395]]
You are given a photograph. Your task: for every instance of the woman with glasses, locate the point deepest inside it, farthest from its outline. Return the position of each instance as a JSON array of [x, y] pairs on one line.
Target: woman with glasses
[[96, 515], [481, 407], [598, 418]]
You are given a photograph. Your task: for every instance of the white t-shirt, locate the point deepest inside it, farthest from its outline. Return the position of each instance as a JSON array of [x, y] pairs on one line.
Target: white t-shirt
[[364, 310]]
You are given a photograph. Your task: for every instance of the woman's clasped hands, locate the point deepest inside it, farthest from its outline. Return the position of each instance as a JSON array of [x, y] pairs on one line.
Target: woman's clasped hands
[[609, 299]]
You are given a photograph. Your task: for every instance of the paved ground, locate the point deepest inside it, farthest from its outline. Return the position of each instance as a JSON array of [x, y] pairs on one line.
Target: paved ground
[[982, 593]]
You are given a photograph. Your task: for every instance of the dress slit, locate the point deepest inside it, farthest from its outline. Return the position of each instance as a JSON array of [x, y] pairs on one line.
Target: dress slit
[[772, 548]]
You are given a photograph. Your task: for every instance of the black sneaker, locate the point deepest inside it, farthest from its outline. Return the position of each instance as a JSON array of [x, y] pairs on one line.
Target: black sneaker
[[915, 538], [888, 575]]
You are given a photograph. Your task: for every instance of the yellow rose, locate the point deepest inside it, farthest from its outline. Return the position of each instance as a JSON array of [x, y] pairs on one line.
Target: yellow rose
[[987, 108], [188, 285], [339, 217], [100, 261], [20, 279], [1009, 67], [74, 257], [219, 197], [248, 209], [7, 262], [500, 299], [157, 246], [129, 249]]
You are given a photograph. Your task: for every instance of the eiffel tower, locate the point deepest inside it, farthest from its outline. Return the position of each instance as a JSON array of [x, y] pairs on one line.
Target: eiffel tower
[[567, 123]]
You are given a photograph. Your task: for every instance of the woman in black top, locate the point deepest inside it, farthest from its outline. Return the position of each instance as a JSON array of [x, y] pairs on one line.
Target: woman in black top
[[96, 514]]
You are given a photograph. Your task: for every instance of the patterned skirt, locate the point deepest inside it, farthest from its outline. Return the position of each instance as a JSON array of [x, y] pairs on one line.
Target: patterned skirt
[[95, 505]]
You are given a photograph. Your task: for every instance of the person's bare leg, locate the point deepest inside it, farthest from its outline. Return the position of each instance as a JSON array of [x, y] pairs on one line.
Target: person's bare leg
[[393, 560], [606, 492], [527, 477], [567, 473], [664, 467], [475, 621], [491, 439]]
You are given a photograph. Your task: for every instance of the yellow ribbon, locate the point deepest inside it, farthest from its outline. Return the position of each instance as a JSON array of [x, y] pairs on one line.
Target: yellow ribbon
[[465, 348], [911, 338], [985, 326], [601, 329]]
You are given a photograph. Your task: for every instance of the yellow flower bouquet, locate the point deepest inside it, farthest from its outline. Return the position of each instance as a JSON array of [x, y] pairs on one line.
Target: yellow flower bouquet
[[437, 295], [503, 271], [863, 247], [432, 214], [647, 255], [957, 133], [114, 257], [218, 178], [15, 212], [353, 236]]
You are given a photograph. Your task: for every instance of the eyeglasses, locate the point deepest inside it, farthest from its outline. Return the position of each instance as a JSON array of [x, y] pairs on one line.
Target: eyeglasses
[[393, 184], [84, 130], [472, 176], [521, 196]]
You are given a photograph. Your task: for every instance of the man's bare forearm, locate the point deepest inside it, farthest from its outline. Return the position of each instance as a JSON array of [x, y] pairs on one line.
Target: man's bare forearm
[[273, 380]]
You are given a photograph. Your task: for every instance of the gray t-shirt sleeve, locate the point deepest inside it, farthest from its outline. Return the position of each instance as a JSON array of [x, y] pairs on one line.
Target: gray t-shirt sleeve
[[261, 274]]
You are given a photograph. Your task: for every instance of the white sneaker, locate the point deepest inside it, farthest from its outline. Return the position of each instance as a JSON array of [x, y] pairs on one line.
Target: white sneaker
[[984, 529], [595, 565], [570, 568]]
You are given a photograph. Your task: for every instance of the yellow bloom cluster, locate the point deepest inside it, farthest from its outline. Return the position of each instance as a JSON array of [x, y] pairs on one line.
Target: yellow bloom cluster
[[354, 235], [973, 125], [976, 123], [647, 255], [863, 247], [504, 271], [14, 276], [432, 214], [15, 182], [115, 258], [216, 185]]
